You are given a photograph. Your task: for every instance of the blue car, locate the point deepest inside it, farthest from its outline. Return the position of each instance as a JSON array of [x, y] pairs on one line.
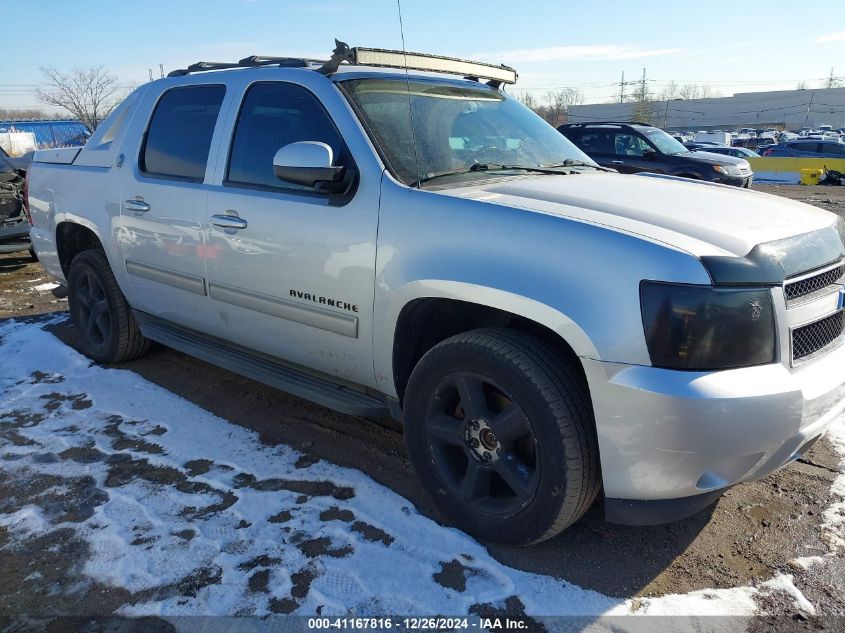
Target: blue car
[[807, 148]]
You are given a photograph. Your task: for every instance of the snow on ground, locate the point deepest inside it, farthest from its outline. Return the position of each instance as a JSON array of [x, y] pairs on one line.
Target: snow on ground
[[834, 516], [175, 494], [50, 285]]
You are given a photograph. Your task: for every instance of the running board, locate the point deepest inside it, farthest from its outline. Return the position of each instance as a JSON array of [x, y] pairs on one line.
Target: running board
[[261, 369]]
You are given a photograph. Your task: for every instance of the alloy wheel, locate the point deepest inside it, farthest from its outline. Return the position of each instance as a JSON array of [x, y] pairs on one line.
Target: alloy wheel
[[482, 445]]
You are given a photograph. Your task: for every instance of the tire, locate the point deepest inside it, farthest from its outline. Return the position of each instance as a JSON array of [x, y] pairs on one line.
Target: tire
[[108, 330], [32, 254], [531, 415]]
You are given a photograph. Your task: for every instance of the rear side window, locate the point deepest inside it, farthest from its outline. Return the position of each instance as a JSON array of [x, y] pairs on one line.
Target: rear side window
[[597, 142], [804, 147], [274, 115], [179, 136], [833, 148]]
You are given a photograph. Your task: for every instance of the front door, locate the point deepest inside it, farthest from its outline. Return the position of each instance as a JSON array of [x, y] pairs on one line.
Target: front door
[[630, 153], [163, 206], [291, 272]]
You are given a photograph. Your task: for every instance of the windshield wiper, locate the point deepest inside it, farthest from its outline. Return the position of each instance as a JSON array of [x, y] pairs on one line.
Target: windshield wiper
[[492, 167], [579, 163]]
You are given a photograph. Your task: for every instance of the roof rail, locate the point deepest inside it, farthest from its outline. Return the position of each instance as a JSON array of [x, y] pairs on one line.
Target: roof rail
[[253, 61], [374, 57], [582, 123]]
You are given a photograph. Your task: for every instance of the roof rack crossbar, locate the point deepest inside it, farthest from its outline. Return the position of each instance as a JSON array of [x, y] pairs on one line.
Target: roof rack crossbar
[[496, 75]]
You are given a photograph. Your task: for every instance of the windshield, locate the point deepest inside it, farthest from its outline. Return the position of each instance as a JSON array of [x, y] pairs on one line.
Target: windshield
[[425, 129], [665, 143]]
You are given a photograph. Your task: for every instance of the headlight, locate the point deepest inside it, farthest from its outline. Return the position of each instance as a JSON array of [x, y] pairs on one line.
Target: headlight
[[703, 328], [727, 170]]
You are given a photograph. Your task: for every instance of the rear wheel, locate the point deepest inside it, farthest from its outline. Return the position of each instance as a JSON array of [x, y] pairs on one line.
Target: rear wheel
[[108, 331], [501, 432]]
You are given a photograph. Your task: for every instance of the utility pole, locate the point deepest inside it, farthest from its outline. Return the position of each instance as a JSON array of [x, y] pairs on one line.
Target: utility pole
[[622, 85], [809, 108], [643, 89]]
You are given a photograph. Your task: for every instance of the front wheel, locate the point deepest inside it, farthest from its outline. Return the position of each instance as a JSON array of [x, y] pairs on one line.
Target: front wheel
[[501, 432], [108, 331]]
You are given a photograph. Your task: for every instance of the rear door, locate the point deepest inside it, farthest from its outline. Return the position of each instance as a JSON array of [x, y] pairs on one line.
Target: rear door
[[163, 204], [597, 143]]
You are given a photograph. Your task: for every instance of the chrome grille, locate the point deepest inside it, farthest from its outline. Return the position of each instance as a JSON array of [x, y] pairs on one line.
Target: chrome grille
[[810, 285], [815, 337]]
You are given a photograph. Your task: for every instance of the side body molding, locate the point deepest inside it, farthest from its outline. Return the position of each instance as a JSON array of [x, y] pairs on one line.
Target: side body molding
[[343, 324], [175, 278]]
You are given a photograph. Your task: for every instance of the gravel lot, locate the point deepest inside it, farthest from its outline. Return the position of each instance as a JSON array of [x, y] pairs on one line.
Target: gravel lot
[[755, 531]]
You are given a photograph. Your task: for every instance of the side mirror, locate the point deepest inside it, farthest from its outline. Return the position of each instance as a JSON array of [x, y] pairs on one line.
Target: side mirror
[[309, 163]]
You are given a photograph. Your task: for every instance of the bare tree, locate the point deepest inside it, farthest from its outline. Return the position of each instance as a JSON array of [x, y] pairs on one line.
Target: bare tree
[[690, 91], [11, 114], [802, 85], [670, 91], [528, 100], [832, 81], [708, 92], [696, 91], [558, 104], [89, 94]]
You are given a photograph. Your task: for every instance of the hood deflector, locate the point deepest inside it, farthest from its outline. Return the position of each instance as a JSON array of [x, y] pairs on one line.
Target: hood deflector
[[772, 263]]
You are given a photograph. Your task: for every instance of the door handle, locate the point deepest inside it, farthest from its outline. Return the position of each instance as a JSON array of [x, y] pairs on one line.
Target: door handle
[[617, 162], [138, 206], [225, 221]]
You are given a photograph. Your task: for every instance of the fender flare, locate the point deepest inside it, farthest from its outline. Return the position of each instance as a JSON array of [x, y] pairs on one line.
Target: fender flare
[[523, 306]]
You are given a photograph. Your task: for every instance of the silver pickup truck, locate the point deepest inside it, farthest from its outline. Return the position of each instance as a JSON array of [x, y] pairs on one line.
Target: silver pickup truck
[[390, 233]]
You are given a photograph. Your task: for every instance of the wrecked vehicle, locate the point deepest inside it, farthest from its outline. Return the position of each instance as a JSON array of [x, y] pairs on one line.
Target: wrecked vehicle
[[390, 233], [14, 224]]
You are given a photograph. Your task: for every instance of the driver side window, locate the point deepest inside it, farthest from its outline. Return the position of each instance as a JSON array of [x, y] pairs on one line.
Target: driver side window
[[630, 145], [274, 115]]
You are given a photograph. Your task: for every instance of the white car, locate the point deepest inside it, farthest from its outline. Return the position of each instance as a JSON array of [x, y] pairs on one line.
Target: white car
[[414, 242]]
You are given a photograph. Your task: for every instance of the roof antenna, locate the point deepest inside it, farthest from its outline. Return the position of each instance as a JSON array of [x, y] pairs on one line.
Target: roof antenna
[[408, 86]]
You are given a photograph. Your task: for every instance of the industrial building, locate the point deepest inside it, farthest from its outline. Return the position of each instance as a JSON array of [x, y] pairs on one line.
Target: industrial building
[[782, 109]]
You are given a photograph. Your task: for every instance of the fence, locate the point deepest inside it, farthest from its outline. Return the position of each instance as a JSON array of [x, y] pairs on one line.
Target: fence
[[50, 134], [788, 170]]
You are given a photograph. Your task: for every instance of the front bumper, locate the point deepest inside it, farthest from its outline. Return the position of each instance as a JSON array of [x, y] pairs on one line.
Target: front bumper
[[736, 181], [670, 435]]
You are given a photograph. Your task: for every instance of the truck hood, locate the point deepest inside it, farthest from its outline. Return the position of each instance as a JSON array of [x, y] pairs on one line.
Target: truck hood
[[701, 218]]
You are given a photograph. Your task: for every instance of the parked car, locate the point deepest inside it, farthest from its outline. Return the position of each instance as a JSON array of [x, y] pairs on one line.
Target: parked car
[[717, 136], [736, 152], [807, 148], [14, 224], [545, 328], [634, 147]]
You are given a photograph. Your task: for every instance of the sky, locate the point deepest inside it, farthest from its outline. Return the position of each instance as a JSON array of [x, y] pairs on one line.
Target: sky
[[730, 46]]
